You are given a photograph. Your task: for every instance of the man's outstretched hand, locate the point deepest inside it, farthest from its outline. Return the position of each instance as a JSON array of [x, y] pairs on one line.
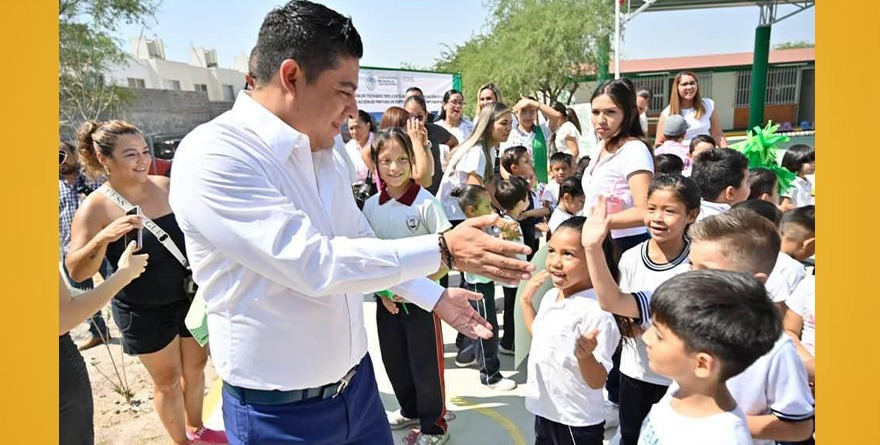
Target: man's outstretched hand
[[476, 252], [454, 308]]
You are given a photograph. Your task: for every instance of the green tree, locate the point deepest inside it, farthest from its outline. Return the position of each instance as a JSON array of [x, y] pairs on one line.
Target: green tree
[[532, 46], [87, 49], [795, 44]]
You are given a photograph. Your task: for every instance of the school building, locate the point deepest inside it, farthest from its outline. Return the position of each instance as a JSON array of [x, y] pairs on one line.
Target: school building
[[726, 79]]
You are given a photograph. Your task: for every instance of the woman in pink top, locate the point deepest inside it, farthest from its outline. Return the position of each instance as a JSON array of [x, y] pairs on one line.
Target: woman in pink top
[[624, 166]]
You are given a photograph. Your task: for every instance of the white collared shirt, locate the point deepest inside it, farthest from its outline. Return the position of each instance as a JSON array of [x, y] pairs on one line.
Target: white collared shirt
[[556, 388], [281, 252], [709, 208]]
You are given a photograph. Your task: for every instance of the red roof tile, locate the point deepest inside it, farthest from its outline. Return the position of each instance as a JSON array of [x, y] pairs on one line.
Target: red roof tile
[[706, 62]]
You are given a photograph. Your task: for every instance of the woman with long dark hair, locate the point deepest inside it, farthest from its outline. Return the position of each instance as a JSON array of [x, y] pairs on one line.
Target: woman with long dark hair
[[624, 167]]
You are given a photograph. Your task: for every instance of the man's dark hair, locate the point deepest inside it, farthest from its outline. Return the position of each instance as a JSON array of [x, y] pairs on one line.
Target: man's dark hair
[[725, 314], [417, 89], [511, 192], [763, 208], [668, 163], [313, 35], [716, 169], [761, 180]]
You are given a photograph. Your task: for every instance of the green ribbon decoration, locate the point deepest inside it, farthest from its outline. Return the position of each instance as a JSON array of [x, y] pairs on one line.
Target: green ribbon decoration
[[390, 295], [760, 149]]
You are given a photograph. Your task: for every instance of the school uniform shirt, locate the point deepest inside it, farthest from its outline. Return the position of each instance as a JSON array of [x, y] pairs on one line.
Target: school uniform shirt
[[609, 174], [474, 161], [281, 252], [550, 193], [637, 273], [803, 303], [709, 208], [665, 426], [786, 275], [416, 212], [556, 390], [510, 220], [558, 217], [801, 192], [775, 384]]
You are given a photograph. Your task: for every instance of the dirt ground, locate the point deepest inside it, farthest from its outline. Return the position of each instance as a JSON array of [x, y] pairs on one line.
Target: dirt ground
[[116, 422]]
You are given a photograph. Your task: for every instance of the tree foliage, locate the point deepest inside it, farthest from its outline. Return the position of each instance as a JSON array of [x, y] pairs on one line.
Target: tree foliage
[[795, 44], [532, 46], [86, 51]]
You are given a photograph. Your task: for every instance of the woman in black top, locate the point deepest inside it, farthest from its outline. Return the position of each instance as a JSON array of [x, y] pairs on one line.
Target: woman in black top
[[150, 311]]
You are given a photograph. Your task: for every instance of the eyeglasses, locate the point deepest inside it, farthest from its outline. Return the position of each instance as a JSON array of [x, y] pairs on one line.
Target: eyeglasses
[[62, 156], [457, 103]]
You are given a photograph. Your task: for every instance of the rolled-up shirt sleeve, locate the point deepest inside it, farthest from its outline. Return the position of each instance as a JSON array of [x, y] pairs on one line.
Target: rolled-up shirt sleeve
[[236, 207]]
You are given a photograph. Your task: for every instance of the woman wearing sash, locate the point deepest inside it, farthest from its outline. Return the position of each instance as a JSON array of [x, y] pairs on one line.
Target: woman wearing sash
[[532, 135]]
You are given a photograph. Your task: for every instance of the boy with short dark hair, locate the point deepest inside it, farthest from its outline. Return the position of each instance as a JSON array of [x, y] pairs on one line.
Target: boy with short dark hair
[[560, 169], [516, 161], [774, 391], [723, 177], [798, 230], [764, 185], [707, 326], [512, 194], [788, 272]]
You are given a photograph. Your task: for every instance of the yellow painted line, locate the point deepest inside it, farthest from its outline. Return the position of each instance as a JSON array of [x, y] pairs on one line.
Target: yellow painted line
[[212, 400], [515, 434]]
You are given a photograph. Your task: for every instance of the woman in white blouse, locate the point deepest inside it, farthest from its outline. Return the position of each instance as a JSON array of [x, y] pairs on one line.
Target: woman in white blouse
[[566, 136], [450, 116], [361, 128], [698, 112]]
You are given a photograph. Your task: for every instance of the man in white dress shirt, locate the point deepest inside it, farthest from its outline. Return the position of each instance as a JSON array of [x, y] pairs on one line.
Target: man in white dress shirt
[[283, 256]]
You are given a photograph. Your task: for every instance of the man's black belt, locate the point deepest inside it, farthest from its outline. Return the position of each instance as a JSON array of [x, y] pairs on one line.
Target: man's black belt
[[263, 397]]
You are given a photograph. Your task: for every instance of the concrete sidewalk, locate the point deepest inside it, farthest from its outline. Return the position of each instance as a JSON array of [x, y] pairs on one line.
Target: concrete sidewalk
[[482, 416]]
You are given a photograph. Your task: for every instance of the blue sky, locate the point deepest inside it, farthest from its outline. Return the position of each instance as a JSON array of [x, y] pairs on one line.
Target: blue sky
[[414, 32]]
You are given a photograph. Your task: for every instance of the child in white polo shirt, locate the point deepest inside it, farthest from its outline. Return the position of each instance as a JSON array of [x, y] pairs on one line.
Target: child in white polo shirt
[[707, 326], [723, 177], [572, 343], [409, 337], [774, 391], [512, 195]]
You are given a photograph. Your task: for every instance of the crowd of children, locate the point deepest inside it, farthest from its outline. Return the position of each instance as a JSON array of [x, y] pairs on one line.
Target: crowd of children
[[714, 311]]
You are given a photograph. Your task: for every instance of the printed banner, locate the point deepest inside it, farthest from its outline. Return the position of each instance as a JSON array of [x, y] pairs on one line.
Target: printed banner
[[380, 89]]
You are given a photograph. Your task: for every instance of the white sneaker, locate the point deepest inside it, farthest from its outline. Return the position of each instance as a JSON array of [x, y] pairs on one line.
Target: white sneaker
[[398, 422], [503, 385], [612, 415], [432, 439]]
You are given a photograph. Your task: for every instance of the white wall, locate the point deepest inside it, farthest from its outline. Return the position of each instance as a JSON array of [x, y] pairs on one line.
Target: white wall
[[155, 72], [724, 95]]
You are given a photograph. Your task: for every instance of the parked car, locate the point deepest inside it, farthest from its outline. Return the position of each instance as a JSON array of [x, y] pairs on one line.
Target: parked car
[[162, 148]]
